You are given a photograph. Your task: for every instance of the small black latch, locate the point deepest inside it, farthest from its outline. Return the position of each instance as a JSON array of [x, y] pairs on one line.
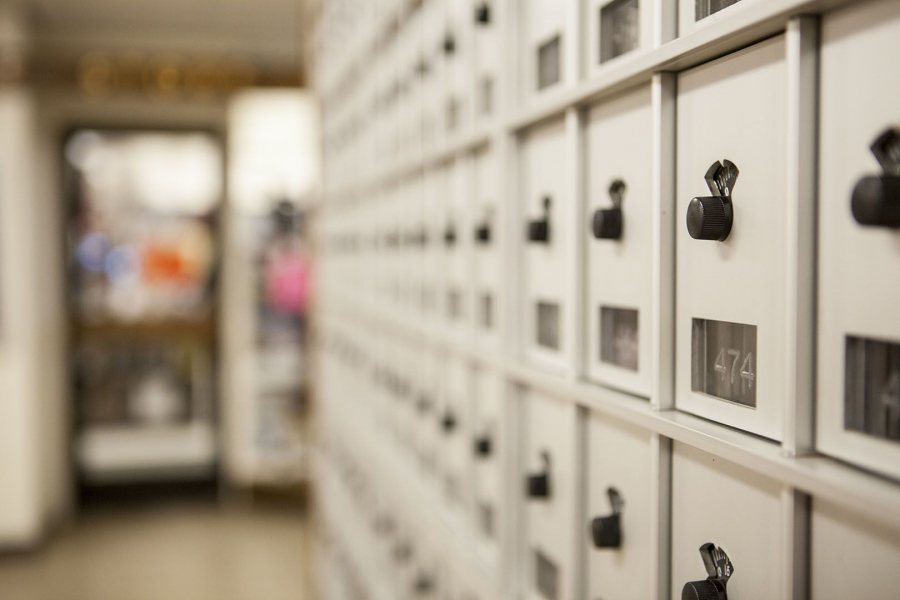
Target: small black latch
[[606, 532]]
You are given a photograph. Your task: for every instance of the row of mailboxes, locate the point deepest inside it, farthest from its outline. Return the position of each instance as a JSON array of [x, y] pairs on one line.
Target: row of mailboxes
[[599, 498], [614, 30], [859, 239], [442, 60], [366, 535], [465, 463], [432, 79], [427, 251], [727, 522], [446, 418], [733, 240]]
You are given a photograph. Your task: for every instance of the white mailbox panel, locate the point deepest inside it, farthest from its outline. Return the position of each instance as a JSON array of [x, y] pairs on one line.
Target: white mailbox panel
[[457, 247], [487, 57], [457, 48], [433, 249], [455, 446], [544, 39], [490, 460], [859, 279], [617, 29], [619, 245], [737, 510], [731, 295], [551, 522], [549, 261], [432, 68], [414, 83], [852, 556], [487, 271], [428, 407], [619, 465]]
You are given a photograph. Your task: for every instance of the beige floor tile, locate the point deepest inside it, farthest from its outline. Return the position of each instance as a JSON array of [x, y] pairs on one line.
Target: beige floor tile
[[185, 552]]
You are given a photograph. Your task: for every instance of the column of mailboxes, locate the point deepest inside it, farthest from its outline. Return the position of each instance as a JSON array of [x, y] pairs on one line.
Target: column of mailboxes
[[409, 422]]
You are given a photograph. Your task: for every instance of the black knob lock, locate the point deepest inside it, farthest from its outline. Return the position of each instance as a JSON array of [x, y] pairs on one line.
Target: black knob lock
[[448, 422], [449, 44], [607, 222], [483, 446], [537, 485], [450, 235], [483, 14], [719, 569], [606, 532], [483, 231], [423, 584], [875, 201], [711, 217], [538, 230]]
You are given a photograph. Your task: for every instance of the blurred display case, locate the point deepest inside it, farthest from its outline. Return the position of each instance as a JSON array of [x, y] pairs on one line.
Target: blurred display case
[[142, 260]]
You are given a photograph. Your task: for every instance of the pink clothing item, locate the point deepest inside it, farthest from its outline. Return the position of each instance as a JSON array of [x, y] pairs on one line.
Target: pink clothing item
[[287, 282]]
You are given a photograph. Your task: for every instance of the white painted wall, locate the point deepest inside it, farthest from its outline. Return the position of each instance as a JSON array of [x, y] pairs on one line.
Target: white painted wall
[[30, 332], [34, 486]]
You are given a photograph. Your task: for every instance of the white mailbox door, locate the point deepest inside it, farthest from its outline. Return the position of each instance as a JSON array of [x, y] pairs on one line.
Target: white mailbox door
[[735, 509], [459, 57], [488, 448], [619, 245], [859, 282], [549, 265], [455, 448], [620, 459], [544, 39], [428, 409], [852, 556], [433, 73], [731, 312], [458, 247], [551, 520], [488, 55], [487, 272], [434, 280]]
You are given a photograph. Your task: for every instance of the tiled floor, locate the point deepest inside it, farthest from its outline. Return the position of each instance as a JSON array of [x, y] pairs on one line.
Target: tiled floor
[[180, 552]]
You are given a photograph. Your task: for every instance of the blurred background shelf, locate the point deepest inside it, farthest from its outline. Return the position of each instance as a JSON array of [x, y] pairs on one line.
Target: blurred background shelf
[[131, 453]]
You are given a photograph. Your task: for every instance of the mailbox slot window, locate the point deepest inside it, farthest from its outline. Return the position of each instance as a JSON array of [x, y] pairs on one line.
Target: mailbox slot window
[[486, 519], [872, 387], [546, 576], [619, 28], [704, 8], [548, 63], [486, 94], [548, 325], [619, 337], [487, 311], [723, 360], [453, 304]]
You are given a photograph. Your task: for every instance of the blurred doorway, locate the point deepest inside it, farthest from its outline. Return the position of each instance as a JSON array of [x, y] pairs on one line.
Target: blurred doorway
[[142, 251]]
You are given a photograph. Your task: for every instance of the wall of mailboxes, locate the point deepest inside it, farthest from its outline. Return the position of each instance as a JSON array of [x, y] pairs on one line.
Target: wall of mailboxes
[[608, 299]]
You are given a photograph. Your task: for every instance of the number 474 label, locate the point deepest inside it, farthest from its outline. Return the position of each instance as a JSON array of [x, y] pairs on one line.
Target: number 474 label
[[723, 360]]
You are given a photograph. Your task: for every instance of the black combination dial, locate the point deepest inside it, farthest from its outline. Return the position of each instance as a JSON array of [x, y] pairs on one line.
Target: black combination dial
[[711, 217], [875, 201]]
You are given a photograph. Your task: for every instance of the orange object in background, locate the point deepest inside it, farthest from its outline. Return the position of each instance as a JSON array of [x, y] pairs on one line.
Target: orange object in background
[[163, 263]]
